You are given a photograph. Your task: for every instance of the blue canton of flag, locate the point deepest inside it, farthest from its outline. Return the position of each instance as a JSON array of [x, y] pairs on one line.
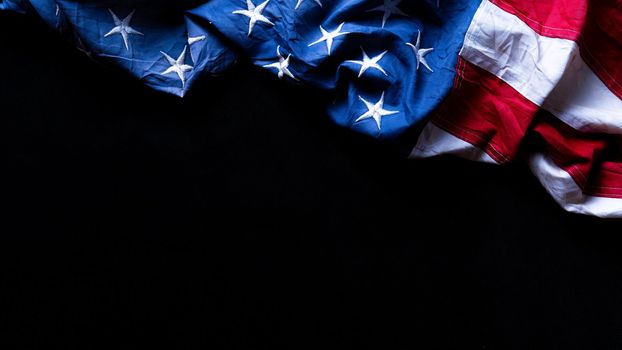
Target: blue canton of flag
[[153, 40], [390, 62]]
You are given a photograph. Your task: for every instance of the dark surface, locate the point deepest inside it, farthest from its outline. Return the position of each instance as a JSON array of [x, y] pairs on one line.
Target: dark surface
[[240, 217]]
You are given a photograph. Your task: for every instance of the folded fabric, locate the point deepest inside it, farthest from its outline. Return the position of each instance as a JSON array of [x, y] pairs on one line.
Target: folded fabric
[[475, 78], [146, 38]]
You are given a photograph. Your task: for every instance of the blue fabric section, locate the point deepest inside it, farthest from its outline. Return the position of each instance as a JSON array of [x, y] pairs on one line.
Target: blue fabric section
[[413, 92], [160, 26], [403, 86], [14, 5]]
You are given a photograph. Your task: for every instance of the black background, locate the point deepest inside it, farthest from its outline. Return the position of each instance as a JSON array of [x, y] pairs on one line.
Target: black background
[[241, 217]]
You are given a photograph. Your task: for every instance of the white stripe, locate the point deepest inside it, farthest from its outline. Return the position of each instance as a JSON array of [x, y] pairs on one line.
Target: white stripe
[[547, 71], [568, 194], [559, 184], [435, 141], [582, 101]]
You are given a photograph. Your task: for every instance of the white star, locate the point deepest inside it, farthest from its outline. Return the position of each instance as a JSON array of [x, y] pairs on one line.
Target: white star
[[194, 39], [123, 27], [389, 7], [254, 13], [420, 53], [329, 37], [375, 111], [178, 66], [367, 62], [300, 2], [282, 65]]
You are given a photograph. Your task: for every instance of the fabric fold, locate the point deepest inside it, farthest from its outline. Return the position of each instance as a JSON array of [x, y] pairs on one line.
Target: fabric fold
[[489, 80]]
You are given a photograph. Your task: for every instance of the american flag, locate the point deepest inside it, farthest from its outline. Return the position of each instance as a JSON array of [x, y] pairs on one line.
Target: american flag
[[488, 80]]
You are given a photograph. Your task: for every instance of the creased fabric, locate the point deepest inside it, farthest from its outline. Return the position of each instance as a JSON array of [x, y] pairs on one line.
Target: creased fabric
[[488, 80]]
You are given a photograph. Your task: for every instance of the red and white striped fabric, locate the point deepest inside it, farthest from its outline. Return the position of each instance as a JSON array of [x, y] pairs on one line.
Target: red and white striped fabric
[[548, 72]]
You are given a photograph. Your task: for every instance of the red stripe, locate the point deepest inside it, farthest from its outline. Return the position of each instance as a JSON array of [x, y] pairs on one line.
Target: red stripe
[[486, 112], [601, 42], [593, 160], [608, 181], [553, 18]]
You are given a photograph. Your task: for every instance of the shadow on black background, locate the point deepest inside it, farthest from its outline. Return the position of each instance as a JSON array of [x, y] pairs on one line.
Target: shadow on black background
[[241, 217]]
